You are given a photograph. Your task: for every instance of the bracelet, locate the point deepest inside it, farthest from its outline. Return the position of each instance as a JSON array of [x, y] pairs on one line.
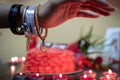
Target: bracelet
[[24, 27], [29, 19], [38, 28], [14, 15]]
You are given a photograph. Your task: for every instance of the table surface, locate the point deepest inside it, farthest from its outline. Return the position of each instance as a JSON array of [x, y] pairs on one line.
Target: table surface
[[5, 73]]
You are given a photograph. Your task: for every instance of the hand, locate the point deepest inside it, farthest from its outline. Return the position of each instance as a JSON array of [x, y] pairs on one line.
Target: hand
[[56, 12]]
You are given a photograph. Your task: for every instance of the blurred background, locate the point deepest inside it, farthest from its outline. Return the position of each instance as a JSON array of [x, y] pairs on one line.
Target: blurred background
[[14, 45]]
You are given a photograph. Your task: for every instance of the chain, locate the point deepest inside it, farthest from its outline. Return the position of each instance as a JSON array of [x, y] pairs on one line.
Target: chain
[[40, 30]]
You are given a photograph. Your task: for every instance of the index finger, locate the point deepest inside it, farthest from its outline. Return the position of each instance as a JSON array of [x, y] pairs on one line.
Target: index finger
[[102, 4]]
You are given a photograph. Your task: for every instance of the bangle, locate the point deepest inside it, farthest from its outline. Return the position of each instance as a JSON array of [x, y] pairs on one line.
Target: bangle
[[14, 15], [24, 27], [29, 19], [40, 29]]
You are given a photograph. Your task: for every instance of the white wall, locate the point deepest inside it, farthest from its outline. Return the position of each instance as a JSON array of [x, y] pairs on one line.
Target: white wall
[[13, 45]]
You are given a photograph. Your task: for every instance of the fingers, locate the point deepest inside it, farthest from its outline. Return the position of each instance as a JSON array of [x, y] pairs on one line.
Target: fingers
[[101, 7], [86, 15], [102, 4], [96, 10], [98, 6]]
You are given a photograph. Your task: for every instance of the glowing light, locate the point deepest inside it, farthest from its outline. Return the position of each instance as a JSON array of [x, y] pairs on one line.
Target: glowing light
[[23, 59], [90, 71], [21, 73], [85, 76], [107, 76], [60, 75], [12, 69], [16, 58], [37, 74], [110, 71], [12, 59]]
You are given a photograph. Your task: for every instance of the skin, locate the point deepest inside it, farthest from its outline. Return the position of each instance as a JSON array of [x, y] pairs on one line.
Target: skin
[[55, 12]]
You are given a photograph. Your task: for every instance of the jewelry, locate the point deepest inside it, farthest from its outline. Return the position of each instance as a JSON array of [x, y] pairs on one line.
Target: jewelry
[[28, 25], [40, 29], [14, 15], [24, 27], [29, 19], [28, 37]]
